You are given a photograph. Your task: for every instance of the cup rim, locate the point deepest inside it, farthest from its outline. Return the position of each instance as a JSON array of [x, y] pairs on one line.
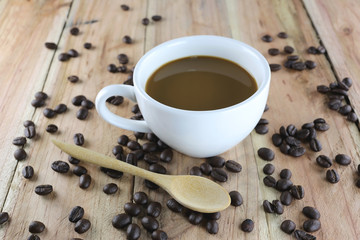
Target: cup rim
[[260, 89]]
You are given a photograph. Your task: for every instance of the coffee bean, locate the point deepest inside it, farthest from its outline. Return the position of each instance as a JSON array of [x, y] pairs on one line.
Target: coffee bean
[[274, 67], [51, 45], [74, 31], [269, 181], [291, 130], [122, 69], [312, 134], [139, 154], [87, 104], [219, 175], [127, 39], [344, 110], [352, 117], [51, 128], [79, 139], [19, 141], [293, 57], [153, 209], [20, 154], [261, 129], [63, 57], [343, 159], [212, 216], [145, 21], [141, 198], [206, 168], [124, 7], [288, 226], [156, 18], [60, 166], [151, 158], [28, 172], [123, 58], [76, 214], [195, 218], [339, 91], [87, 45], [49, 113], [110, 188], [40, 95], [132, 209], [159, 235], [76, 101], [174, 206], [28, 123], [73, 160], [150, 223], [301, 235], [282, 35], [334, 104], [30, 132], [278, 207], [322, 89], [84, 181], [233, 166], [4, 217], [158, 168], [296, 151], [216, 162], [131, 159], [286, 198], [166, 155], [285, 174], [112, 68], [73, 53], [312, 225], [195, 171], [324, 161], [149, 147], [273, 51], [123, 140], [133, 145], [321, 49], [283, 132], [322, 126], [121, 220], [289, 49], [267, 38], [61, 108], [33, 237], [115, 100], [299, 66], [347, 81], [266, 154], [112, 173], [266, 108], [83, 225], [247, 225], [292, 141], [269, 169], [276, 139], [284, 148], [36, 227], [82, 113], [297, 191], [133, 232], [118, 149], [236, 198], [283, 184], [312, 50], [310, 64], [311, 212], [315, 145], [79, 170], [332, 176]]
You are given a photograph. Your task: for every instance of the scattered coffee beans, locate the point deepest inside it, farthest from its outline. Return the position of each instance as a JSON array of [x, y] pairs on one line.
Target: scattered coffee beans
[[166, 155], [206, 168], [30, 132], [36, 227], [28, 172], [285, 174], [302, 235], [82, 226], [195, 218], [76, 214], [73, 79], [247, 225], [282, 35], [274, 51], [73, 53], [297, 191], [73, 160], [33, 237], [216, 162], [324, 161], [269, 181], [274, 67], [283, 184], [145, 21], [289, 49], [61, 108], [195, 171], [286, 198], [63, 57]]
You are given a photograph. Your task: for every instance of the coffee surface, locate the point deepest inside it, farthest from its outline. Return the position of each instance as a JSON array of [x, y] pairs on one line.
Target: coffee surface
[[200, 83]]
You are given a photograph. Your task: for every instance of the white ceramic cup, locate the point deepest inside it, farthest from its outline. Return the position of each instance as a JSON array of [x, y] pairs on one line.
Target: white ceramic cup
[[194, 133]]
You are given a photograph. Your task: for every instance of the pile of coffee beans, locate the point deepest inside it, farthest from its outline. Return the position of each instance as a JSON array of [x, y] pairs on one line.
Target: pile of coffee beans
[[84, 104], [325, 162], [39, 100], [76, 215]]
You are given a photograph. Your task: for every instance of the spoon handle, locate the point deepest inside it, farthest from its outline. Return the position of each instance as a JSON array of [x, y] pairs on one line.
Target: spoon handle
[[108, 162]]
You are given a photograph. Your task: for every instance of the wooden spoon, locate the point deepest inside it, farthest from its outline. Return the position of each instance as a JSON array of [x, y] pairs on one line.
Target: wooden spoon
[[194, 192]]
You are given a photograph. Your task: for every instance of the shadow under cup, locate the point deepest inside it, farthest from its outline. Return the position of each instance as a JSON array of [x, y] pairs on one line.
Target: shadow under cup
[[202, 133]]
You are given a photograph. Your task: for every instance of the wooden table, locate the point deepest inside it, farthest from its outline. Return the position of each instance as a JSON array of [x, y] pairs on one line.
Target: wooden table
[[26, 67]]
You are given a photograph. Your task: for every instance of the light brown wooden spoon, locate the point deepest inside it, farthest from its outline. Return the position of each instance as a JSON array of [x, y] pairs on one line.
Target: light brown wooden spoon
[[194, 192]]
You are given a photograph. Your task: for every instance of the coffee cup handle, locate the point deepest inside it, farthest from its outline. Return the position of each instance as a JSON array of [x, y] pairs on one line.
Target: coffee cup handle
[[119, 90]]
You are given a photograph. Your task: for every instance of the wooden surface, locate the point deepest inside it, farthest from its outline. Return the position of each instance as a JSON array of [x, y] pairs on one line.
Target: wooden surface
[[27, 67]]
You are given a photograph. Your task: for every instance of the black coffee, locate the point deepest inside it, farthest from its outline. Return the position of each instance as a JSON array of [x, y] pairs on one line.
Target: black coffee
[[200, 83]]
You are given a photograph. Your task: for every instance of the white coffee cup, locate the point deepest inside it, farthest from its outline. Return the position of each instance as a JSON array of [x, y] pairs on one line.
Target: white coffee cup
[[194, 133]]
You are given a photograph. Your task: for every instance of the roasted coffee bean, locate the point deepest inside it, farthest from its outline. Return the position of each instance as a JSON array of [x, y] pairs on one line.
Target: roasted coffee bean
[[247, 225], [266, 108], [4, 217], [288, 64], [186, 212], [233, 166], [288, 226], [278, 207], [216, 162], [174, 206], [139, 135], [274, 67], [206, 168], [79, 170], [352, 117], [112, 68], [87, 45], [158, 168], [343, 159], [286, 198], [123, 140], [266, 154], [339, 92], [263, 121], [315, 145], [110, 188], [122, 69], [293, 57], [236, 198], [76, 101], [159, 235], [156, 18], [322, 126], [347, 81], [282, 35], [124, 7], [135, 109], [273, 51], [296, 151], [51, 128], [30, 132], [123, 58], [118, 149], [133, 145], [289, 49], [302, 235], [74, 31], [20, 154], [19, 141], [344, 110], [73, 53], [261, 129], [269, 181], [127, 39], [312, 50], [150, 223], [299, 66], [321, 49], [41, 95], [87, 104], [82, 113], [312, 134], [85, 181], [332, 176], [284, 148], [141, 198], [51, 45], [276, 139], [291, 130], [63, 57], [219, 175], [322, 89], [162, 145], [28, 123], [61, 108], [149, 147], [28, 172], [195, 218], [121, 220], [311, 212], [212, 216], [285, 174], [312, 225], [133, 232], [82, 226], [212, 227], [319, 120], [324, 161], [269, 169], [310, 64], [145, 21], [139, 154], [151, 158], [335, 96], [60, 166], [334, 104], [283, 184], [49, 113], [166, 155], [283, 132], [292, 141], [79, 139], [267, 38], [73, 160], [154, 209], [33, 237], [76, 214], [132, 209], [112, 173], [149, 136], [195, 171], [131, 159], [297, 191], [36, 227]]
